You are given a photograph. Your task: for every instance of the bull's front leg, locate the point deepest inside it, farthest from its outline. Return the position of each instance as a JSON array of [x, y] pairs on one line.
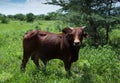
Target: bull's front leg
[[67, 66]]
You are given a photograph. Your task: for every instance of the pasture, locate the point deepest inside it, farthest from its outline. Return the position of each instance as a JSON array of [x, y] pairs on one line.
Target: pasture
[[95, 65]]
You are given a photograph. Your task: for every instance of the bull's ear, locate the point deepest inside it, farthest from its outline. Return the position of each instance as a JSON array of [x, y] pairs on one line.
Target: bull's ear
[[85, 34], [67, 30]]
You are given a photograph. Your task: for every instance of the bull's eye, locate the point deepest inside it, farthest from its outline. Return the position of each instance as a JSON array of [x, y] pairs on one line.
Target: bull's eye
[[80, 35], [70, 36]]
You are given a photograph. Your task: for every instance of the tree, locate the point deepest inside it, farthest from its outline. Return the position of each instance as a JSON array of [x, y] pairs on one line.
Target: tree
[[53, 15], [94, 13], [20, 17], [40, 17], [4, 19], [30, 17], [10, 17]]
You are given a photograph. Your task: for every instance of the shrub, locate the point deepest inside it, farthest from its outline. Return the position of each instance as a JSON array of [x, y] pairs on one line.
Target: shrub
[[4, 19], [30, 17], [103, 64], [115, 37]]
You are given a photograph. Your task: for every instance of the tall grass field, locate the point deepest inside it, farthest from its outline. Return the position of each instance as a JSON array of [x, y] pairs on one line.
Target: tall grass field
[[95, 65]]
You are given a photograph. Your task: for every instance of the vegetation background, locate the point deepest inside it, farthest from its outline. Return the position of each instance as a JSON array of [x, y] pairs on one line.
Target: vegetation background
[[99, 57]]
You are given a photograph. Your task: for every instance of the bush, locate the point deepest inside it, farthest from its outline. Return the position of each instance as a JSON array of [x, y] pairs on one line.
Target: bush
[[4, 19], [115, 37], [30, 17], [101, 65]]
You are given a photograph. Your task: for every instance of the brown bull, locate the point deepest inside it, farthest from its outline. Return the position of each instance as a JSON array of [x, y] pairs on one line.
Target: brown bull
[[46, 46]]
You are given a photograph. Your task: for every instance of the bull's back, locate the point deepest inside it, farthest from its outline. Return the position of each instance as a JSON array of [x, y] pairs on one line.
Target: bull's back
[[50, 43], [44, 42]]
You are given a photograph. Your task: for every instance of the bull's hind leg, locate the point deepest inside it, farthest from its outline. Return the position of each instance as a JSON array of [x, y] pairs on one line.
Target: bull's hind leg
[[44, 60], [35, 59], [26, 56], [45, 63]]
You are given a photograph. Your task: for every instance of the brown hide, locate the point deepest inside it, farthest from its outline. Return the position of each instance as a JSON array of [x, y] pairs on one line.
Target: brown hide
[[45, 46]]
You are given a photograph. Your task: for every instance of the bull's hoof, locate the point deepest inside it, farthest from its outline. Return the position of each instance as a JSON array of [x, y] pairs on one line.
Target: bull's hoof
[[22, 69], [68, 74]]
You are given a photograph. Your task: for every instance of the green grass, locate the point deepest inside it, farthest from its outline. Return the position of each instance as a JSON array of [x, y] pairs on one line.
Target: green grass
[[95, 65]]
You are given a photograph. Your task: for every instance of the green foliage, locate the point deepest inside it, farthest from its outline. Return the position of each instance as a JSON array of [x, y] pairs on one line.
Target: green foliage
[[103, 64], [93, 13], [5, 76], [40, 17], [53, 15], [30, 17], [20, 17], [4, 20], [95, 65], [115, 37]]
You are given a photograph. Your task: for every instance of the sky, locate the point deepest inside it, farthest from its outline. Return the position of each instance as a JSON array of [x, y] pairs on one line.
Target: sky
[[12, 7]]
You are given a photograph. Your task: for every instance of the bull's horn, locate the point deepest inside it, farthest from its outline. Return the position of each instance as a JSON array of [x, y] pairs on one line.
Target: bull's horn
[[71, 27], [83, 27]]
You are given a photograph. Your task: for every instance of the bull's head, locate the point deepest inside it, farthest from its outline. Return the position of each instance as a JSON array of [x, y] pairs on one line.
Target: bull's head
[[75, 35]]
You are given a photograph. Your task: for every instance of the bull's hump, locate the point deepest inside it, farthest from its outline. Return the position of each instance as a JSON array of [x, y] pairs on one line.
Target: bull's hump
[[30, 34]]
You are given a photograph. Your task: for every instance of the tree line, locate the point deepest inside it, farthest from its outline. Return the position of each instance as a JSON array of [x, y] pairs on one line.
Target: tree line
[[30, 17]]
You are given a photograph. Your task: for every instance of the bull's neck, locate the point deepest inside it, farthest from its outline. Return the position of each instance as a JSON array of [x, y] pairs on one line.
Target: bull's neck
[[74, 49]]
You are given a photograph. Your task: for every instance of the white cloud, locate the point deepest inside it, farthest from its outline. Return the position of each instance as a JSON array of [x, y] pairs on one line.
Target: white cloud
[[35, 1], [33, 6]]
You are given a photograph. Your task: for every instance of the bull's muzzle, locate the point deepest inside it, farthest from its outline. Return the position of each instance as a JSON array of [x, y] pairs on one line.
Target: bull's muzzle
[[76, 43]]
